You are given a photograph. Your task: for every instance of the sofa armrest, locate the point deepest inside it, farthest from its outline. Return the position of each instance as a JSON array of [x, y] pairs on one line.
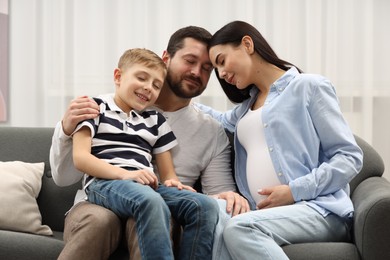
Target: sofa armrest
[[371, 226]]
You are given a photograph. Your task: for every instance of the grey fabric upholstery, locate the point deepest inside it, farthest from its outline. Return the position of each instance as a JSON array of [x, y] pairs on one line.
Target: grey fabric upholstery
[[319, 251], [372, 164], [23, 246], [372, 220], [371, 197]]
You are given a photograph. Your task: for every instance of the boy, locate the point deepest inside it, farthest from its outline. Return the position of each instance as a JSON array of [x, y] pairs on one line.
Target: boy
[[118, 165]]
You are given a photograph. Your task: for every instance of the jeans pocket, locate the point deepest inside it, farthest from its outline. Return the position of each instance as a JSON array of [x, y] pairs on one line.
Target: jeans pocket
[[95, 195]]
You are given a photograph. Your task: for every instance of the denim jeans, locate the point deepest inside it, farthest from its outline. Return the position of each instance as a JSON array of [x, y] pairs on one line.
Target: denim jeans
[[260, 234], [152, 209], [220, 251]]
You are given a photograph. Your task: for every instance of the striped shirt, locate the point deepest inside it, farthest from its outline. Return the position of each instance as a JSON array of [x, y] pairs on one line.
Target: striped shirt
[[127, 141]]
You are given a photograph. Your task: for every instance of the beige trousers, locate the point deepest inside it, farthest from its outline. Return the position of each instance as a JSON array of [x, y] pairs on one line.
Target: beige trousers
[[94, 232]]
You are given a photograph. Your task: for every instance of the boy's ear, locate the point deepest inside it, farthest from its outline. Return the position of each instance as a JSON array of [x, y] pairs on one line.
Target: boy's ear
[[247, 42], [117, 76]]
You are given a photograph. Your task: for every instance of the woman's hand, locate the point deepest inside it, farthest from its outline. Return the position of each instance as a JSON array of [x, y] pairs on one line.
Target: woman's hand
[[277, 196], [178, 185]]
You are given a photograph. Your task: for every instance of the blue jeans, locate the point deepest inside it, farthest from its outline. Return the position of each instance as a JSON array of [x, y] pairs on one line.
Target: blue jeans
[[152, 210], [220, 251], [260, 234]]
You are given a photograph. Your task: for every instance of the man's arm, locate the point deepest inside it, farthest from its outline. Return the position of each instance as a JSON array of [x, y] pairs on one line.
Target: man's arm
[[217, 178], [61, 161], [62, 168]]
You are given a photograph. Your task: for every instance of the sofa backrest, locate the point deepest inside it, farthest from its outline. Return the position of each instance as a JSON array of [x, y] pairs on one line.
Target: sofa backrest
[[33, 145], [372, 163]]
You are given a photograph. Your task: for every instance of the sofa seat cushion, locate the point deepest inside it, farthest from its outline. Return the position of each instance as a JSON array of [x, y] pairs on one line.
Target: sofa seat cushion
[[322, 251], [17, 245]]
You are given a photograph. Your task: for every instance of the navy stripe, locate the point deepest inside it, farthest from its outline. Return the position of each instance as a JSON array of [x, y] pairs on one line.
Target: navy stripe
[[165, 139], [160, 119], [125, 139], [111, 121], [92, 123], [127, 155], [142, 126], [99, 101]]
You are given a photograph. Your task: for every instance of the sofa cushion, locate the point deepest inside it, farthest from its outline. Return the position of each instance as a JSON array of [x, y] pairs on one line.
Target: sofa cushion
[[25, 246], [322, 251], [19, 187]]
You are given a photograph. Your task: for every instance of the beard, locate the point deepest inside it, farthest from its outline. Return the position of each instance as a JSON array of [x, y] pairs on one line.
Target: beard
[[179, 88]]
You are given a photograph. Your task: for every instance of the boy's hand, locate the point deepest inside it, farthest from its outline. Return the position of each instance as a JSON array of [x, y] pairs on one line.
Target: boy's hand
[[144, 177], [178, 184]]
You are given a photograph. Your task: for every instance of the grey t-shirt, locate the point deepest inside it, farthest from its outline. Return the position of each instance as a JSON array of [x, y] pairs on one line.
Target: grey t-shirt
[[203, 150]]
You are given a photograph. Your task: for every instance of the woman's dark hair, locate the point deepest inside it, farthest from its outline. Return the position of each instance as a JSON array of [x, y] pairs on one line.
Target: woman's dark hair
[[176, 41], [232, 33]]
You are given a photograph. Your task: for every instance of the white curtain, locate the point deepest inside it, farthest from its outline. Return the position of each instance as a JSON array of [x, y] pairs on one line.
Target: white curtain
[[60, 49]]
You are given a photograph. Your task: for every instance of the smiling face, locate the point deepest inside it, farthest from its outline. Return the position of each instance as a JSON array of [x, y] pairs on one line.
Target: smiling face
[[233, 63], [189, 69], [137, 86]]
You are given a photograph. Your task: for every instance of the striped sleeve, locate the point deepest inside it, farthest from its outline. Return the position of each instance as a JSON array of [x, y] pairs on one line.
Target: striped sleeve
[[166, 138]]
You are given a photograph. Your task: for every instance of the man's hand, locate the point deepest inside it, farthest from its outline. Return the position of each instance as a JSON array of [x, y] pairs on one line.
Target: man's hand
[[277, 196], [178, 185], [235, 203], [79, 109]]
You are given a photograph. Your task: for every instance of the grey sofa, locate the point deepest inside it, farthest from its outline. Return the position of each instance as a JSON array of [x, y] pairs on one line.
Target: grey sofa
[[370, 195]]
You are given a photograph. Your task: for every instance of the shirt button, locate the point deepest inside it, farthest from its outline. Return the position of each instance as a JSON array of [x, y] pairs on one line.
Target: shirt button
[[280, 174], [271, 149], [265, 125]]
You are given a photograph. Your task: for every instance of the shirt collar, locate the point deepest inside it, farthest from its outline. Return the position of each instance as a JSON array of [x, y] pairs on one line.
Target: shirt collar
[[109, 100], [280, 84]]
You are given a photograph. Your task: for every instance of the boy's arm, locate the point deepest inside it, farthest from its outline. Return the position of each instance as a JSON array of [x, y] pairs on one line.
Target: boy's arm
[[63, 171], [167, 172], [85, 162]]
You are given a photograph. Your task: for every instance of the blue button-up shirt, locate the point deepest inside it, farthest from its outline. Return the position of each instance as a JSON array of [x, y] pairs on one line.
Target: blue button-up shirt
[[311, 146]]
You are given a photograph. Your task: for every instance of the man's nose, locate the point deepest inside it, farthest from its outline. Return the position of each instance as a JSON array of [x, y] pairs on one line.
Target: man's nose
[[195, 71]]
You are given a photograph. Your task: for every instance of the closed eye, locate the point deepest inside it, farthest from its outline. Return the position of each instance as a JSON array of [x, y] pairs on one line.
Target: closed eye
[[207, 67], [157, 86], [190, 61]]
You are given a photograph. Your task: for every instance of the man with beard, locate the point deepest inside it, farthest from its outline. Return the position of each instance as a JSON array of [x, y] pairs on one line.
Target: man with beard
[[203, 151]]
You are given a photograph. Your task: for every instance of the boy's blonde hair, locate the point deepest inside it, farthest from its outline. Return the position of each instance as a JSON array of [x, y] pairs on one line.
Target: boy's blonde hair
[[141, 56]]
